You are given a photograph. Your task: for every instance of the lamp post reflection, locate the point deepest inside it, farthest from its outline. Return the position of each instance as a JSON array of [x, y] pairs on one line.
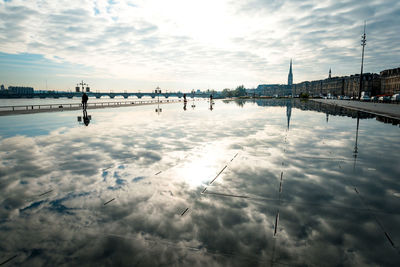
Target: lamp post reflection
[[355, 152], [193, 105], [158, 92]]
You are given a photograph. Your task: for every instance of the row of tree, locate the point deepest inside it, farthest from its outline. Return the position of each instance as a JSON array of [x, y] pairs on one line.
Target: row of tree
[[239, 91]]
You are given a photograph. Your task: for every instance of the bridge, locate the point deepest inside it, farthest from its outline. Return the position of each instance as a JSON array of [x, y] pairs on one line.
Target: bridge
[[56, 94]]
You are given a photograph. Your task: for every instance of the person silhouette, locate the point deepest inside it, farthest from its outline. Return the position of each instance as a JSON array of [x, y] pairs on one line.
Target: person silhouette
[[184, 98], [84, 101], [211, 98], [184, 105]]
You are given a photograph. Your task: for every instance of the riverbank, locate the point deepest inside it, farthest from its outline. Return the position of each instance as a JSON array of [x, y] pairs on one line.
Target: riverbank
[[381, 109]]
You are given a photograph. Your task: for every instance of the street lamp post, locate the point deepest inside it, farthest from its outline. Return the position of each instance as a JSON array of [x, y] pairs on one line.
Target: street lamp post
[[81, 85], [363, 43]]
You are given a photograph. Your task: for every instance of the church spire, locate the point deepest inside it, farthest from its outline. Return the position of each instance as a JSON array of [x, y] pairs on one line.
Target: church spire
[[330, 73], [290, 76]]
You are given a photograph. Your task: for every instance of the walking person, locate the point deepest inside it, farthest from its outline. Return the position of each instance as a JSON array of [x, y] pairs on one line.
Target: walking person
[[84, 101]]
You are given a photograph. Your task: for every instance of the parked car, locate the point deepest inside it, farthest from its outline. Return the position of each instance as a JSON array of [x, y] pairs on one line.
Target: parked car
[[385, 98], [365, 98], [374, 99], [395, 98]]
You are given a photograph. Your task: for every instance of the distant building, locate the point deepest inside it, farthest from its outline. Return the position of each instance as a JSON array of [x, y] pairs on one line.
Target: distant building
[[272, 90], [20, 90], [335, 86], [2, 87], [390, 81]]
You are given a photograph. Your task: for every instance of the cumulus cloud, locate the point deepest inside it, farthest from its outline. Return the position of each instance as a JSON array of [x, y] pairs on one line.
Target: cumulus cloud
[[326, 34], [203, 44]]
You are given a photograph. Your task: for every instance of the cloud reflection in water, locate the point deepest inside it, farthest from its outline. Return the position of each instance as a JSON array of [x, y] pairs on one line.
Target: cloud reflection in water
[[114, 192]]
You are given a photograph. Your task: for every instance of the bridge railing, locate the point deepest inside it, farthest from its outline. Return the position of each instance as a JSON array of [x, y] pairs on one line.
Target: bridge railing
[[89, 104]]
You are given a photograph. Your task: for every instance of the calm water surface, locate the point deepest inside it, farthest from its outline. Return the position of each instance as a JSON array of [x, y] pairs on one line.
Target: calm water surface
[[263, 183], [64, 100]]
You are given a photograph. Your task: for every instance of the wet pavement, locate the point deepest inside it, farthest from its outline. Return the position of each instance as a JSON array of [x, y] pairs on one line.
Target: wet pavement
[[238, 183], [384, 109]]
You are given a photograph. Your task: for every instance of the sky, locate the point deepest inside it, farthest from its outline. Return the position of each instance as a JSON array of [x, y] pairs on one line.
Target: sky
[[184, 45]]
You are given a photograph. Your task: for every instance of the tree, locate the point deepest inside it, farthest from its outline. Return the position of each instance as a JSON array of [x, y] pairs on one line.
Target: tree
[[240, 91], [227, 93], [304, 95]]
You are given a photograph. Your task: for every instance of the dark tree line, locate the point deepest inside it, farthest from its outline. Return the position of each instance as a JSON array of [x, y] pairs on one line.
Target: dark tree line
[[239, 91]]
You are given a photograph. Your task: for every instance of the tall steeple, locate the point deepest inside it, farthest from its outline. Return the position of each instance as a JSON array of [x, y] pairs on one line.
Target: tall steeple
[[330, 73], [290, 76]]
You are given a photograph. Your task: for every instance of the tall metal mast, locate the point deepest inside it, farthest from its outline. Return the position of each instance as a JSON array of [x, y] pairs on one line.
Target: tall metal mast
[[363, 43]]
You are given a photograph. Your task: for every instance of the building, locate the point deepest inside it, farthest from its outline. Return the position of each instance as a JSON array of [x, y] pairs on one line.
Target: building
[[387, 83], [2, 87], [336, 86], [390, 81], [266, 89], [275, 89], [272, 90]]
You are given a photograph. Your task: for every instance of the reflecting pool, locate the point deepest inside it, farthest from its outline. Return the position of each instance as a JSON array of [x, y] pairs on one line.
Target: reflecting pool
[[234, 183]]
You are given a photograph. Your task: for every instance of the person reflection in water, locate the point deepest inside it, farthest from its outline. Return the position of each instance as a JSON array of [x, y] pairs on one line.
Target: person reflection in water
[[184, 105], [84, 101], [211, 105], [86, 119]]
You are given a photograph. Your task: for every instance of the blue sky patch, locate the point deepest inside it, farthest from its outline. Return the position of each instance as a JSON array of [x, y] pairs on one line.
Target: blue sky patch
[[137, 179]]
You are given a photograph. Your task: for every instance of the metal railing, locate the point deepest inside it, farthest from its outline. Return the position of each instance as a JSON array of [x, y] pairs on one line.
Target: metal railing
[[79, 105]]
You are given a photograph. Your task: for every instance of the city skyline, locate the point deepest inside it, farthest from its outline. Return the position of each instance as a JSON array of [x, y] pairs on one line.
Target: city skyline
[[184, 45]]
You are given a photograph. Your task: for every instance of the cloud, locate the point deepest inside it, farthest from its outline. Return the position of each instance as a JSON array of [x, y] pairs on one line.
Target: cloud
[[204, 44], [325, 34]]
